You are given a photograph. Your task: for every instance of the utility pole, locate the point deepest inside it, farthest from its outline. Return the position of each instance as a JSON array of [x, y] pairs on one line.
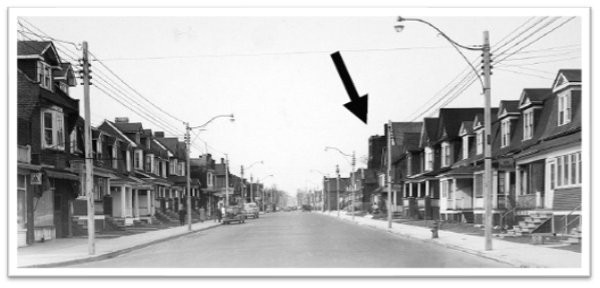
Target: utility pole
[[251, 190], [337, 200], [326, 180], [226, 181], [389, 172], [187, 160], [353, 182], [488, 141], [88, 152], [243, 200]]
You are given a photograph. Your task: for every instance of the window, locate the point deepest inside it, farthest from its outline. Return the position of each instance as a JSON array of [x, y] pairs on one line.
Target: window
[[22, 201], [138, 159], [479, 142], [128, 159], [552, 176], [114, 156], [74, 141], [209, 179], [164, 169], [568, 170], [501, 182], [173, 167], [428, 159], [148, 166], [564, 109], [44, 75], [465, 147], [505, 132], [446, 156], [65, 88], [479, 185], [181, 168], [156, 165], [98, 148], [528, 124], [445, 189], [53, 129]]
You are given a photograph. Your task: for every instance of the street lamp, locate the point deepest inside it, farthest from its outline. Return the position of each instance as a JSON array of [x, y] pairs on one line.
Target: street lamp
[[353, 172], [187, 156], [486, 85], [244, 186], [326, 180], [263, 191]]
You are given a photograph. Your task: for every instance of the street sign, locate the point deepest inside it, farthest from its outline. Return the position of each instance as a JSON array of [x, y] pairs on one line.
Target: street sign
[[36, 178]]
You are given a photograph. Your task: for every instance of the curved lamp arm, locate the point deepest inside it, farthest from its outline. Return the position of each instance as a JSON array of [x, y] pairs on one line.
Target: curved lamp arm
[[218, 116], [455, 44]]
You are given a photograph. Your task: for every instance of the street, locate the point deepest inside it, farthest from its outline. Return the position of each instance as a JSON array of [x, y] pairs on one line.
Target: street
[[294, 240]]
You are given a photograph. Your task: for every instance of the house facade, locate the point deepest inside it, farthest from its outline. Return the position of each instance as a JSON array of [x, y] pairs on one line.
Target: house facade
[[46, 117]]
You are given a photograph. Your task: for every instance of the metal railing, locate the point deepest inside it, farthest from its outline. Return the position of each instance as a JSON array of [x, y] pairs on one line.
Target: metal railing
[[566, 219]]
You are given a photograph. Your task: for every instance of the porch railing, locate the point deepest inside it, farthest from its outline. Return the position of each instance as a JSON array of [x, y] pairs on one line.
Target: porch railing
[[566, 217], [526, 201]]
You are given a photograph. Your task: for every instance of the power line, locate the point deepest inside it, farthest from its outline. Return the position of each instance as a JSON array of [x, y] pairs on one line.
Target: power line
[[523, 73]]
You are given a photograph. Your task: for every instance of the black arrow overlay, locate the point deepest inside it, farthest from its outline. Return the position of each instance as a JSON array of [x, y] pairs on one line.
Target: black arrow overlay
[[357, 105]]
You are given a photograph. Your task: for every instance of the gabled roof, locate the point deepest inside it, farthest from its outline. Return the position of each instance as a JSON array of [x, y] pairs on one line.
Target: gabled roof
[[128, 127], [399, 129], [508, 108], [451, 119], [428, 132], [109, 127], [566, 76], [411, 142], [38, 48], [534, 96], [466, 128]]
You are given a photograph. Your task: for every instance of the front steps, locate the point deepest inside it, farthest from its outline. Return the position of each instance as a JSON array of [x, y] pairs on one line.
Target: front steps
[[529, 224]]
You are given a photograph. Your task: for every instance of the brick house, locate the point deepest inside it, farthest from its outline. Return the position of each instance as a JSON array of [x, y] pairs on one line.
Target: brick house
[[46, 117]]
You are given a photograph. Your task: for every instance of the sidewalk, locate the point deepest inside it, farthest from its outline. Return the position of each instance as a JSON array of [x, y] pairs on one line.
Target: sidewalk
[[60, 252], [516, 254]]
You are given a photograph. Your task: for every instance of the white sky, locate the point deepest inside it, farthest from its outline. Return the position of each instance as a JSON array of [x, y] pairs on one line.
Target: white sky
[[276, 74]]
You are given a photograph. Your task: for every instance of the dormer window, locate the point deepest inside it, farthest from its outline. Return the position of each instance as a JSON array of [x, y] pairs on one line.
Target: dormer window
[[505, 132], [446, 154], [428, 159], [138, 159], [44, 75], [74, 141], [564, 108], [465, 147], [479, 142], [528, 124], [209, 179]]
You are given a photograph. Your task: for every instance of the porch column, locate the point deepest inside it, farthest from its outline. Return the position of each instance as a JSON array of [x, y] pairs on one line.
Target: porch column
[[411, 190], [136, 204], [419, 189], [149, 201], [495, 190], [517, 181], [454, 192], [123, 201], [427, 192]]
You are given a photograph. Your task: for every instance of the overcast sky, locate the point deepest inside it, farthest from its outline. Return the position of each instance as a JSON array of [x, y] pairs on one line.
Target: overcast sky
[[276, 75]]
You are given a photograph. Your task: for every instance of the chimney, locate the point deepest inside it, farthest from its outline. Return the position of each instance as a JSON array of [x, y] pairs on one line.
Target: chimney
[[222, 161], [159, 134], [121, 119]]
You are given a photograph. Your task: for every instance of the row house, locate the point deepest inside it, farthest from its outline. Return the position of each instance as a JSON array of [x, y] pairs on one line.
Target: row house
[[172, 198], [203, 168], [46, 116], [335, 190], [222, 172], [439, 149], [365, 185]]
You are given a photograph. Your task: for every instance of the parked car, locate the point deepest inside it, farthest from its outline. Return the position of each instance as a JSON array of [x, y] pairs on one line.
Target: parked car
[[251, 210], [234, 214]]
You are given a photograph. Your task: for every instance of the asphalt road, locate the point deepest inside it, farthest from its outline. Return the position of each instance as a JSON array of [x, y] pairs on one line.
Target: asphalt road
[[294, 240]]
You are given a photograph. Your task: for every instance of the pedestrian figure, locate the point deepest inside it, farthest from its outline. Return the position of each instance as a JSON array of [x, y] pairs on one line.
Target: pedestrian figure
[[182, 214], [219, 213]]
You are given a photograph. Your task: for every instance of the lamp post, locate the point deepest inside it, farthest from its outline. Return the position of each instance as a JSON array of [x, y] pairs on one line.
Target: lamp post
[[337, 189], [486, 85], [244, 186], [353, 172], [263, 191], [187, 156]]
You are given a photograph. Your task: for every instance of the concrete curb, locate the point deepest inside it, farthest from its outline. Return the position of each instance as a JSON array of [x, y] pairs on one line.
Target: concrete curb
[[116, 253], [515, 263]]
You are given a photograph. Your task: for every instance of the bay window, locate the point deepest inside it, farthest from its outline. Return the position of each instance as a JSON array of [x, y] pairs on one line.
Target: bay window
[[53, 136]]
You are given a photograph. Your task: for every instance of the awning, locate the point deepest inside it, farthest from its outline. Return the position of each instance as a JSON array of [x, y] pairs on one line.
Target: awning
[[61, 175]]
